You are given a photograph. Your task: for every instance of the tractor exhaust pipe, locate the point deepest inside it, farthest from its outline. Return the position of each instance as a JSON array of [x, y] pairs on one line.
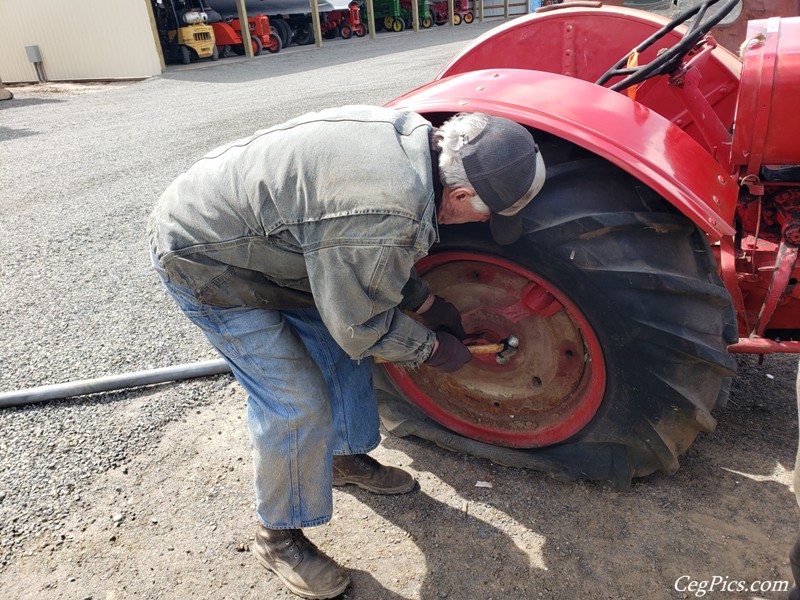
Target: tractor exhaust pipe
[[113, 382]]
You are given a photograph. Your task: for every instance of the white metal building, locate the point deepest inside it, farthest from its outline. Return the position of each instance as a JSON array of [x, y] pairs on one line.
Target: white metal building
[[75, 40]]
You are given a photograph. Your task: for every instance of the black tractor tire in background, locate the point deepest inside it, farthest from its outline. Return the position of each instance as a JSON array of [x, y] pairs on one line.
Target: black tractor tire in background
[[257, 47], [304, 34], [284, 31], [644, 278]]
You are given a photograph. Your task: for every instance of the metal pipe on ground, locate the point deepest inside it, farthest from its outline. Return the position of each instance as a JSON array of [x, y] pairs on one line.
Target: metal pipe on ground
[[113, 382]]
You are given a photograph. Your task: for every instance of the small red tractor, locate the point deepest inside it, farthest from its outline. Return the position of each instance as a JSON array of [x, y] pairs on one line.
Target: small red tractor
[[228, 36], [664, 241], [345, 23], [461, 12]]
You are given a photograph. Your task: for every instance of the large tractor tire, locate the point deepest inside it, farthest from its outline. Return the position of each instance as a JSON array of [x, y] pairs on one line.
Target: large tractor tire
[[284, 31], [304, 34], [623, 325], [255, 44]]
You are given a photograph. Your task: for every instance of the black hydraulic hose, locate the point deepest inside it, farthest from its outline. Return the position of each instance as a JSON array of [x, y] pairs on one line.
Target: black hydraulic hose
[[113, 382]]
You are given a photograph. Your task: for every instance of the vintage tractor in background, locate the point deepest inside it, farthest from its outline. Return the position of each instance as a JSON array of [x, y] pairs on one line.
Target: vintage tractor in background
[[424, 12], [344, 23], [228, 36], [664, 240], [396, 15], [461, 12]]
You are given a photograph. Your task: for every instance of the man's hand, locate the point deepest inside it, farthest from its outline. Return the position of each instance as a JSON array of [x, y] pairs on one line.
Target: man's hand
[[438, 314], [449, 354]]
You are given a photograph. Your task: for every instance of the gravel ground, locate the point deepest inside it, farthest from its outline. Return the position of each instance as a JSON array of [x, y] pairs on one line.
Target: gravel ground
[[147, 494]]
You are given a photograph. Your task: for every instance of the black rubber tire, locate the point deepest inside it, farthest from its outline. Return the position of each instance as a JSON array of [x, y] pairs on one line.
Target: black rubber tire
[[284, 31], [644, 277], [186, 55], [304, 34], [258, 47], [275, 44], [215, 54]]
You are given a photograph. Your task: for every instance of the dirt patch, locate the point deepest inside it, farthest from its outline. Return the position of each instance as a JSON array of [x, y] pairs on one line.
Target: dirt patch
[[177, 521], [26, 90]]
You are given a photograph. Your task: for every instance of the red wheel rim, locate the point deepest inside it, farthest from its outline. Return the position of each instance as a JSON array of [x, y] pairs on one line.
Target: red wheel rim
[[547, 392]]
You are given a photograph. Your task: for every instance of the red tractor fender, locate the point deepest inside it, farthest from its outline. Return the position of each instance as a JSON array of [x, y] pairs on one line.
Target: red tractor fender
[[621, 130], [225, 35], [583, 39]]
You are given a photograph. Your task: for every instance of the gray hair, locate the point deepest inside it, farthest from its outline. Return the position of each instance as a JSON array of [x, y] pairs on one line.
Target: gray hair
[[451, 136]]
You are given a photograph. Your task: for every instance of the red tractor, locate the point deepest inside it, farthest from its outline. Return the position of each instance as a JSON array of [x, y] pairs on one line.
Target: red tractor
[[664, 241], [345, 23], [228, 36], [461, 12]]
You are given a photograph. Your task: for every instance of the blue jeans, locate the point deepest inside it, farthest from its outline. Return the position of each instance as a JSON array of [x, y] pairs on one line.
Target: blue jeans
[[307, 401]]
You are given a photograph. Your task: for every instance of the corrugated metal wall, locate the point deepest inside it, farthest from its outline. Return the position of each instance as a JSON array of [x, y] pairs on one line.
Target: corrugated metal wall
[[78, 39]]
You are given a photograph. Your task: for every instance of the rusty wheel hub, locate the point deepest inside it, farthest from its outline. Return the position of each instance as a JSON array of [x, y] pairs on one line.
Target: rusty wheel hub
[[549, 389]]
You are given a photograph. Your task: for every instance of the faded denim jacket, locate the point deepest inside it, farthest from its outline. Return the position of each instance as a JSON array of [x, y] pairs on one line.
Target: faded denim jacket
[[331, 209]]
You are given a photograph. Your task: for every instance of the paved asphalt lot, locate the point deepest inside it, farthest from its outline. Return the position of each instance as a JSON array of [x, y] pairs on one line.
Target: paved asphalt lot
[[80, 168]]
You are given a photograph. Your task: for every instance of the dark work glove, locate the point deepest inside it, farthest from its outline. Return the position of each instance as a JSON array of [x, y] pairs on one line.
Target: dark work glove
[[450, 355], [444, 316]]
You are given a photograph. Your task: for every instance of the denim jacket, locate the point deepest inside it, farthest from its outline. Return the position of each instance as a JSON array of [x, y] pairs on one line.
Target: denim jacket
[[331, 209]]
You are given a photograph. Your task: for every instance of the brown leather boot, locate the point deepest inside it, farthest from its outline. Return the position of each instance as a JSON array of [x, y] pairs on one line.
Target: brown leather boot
[[299, 564], [366, 472]]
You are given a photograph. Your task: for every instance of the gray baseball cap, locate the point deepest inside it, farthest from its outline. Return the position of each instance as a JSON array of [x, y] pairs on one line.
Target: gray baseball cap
[[503, 164]]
